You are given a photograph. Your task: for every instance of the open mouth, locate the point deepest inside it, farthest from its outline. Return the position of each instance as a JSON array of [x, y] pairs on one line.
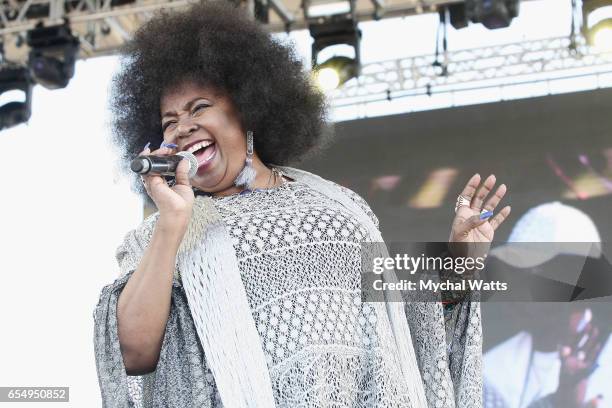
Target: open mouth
[[204, 151]]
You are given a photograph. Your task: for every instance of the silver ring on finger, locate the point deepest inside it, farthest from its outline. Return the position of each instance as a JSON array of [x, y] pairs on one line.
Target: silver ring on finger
[[462, 201]]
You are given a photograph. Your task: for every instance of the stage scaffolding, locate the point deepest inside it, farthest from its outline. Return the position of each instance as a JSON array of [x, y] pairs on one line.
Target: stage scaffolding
[[104, 25]]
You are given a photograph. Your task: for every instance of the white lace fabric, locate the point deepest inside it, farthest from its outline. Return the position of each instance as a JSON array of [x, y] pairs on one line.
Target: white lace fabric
[[299, 255]]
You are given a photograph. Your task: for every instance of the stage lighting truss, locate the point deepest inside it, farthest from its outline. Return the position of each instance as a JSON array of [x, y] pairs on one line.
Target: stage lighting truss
[[104, 25], [472, 69], [15, 95]]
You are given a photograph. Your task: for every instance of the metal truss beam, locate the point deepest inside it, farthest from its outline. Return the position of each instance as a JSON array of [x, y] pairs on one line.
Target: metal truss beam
[[21, 24], [104, 25], [499, 65]]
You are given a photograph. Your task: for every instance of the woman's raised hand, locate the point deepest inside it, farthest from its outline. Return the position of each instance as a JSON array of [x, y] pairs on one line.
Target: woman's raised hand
[[174, 203], [476, 221]]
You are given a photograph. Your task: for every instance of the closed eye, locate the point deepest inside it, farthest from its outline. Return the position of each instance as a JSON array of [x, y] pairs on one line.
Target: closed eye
[[167, 124], [199, 107]]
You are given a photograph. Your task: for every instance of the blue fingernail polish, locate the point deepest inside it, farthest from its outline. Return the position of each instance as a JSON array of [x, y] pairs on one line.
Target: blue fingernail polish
[[146, 146], [171, 145], [486, 215]]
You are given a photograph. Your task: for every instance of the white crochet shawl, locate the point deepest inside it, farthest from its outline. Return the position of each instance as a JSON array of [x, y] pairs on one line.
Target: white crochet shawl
[[225, 326]]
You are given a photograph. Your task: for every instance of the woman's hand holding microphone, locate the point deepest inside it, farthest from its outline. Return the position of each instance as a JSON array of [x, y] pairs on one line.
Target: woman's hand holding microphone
[[174, 203], [144, 303]]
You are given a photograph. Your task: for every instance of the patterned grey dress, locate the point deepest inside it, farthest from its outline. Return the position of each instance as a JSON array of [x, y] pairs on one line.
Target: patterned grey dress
[[300, 262]]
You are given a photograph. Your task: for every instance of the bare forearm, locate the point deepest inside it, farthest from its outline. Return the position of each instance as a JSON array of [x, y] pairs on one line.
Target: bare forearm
[[144, 304]]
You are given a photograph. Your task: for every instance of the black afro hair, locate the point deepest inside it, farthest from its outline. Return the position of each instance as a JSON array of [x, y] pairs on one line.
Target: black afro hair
[[215, 43]]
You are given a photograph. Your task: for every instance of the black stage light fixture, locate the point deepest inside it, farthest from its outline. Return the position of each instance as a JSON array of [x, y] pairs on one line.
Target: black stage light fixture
[[327, 31], [492, 14], [53, 54], [15, 79], [458, 16], [262, 11], [597, 23]]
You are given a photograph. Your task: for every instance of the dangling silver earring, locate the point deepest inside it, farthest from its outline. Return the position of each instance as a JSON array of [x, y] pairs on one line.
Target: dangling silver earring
[[248, 173]]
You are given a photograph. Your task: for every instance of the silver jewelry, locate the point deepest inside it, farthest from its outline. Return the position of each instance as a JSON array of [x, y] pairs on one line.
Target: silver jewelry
[[247, 175], [461, 201]]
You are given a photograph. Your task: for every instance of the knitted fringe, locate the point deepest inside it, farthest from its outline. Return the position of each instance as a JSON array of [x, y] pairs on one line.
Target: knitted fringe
[[221, 313]]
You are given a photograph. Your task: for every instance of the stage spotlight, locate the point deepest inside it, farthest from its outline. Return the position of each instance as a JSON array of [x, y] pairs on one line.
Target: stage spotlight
[[53, 54], [334, 72], [261, 11], [327, 78], [597, 23], [602, 35], [492, 14], [16, 90], [333, 31]]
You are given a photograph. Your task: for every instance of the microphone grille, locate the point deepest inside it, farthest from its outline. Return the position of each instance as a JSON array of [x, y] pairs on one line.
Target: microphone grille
[[193, 162], [137, 165]]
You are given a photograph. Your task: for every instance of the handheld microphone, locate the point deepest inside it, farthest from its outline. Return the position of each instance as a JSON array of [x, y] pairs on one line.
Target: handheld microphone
[[163, 165]]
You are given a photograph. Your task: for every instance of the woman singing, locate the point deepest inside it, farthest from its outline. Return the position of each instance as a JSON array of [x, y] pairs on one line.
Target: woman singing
[[244, 288]]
